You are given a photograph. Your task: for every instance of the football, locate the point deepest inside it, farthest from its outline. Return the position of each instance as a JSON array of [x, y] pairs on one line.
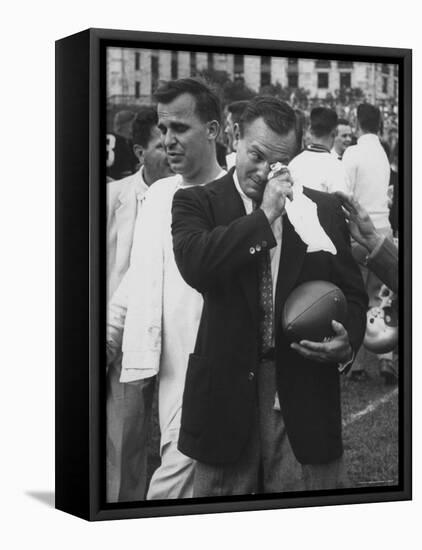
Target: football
[[309, 310]]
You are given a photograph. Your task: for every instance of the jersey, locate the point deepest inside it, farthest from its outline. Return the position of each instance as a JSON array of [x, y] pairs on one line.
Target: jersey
[[120, 160]]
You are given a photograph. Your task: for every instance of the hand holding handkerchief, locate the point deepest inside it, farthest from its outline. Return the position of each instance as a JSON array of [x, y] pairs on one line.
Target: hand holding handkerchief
[[302, 213]]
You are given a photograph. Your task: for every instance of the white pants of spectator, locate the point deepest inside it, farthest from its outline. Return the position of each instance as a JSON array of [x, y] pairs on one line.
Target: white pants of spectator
[[174, 478]]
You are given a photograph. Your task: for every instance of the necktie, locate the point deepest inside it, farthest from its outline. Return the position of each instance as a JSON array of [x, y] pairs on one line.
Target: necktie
[[265, 302]]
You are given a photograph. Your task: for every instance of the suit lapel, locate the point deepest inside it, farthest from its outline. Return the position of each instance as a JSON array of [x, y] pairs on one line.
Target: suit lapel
[[293, 251], [228, 206]]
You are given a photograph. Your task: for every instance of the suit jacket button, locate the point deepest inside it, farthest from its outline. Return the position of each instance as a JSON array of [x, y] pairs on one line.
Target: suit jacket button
[[252, 250], [264, 244], [258, 248], [251, 376]]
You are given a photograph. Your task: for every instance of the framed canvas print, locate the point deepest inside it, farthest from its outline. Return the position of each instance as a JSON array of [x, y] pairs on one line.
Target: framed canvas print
[[233, 274]]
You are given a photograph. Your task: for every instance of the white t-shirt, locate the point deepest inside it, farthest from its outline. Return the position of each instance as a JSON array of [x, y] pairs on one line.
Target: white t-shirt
[[368, 170], [319, 170]]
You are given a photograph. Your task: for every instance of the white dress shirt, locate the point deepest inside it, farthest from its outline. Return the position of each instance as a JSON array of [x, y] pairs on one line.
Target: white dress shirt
[[319, 170], [368, 170]]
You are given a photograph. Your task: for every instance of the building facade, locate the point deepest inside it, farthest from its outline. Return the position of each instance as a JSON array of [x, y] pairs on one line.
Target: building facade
[[133, 74]]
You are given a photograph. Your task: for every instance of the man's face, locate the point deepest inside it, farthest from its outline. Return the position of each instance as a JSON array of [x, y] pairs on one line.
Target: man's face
[[229, 132], [257, 149], [343, 138], [185, 137], [156, 164]]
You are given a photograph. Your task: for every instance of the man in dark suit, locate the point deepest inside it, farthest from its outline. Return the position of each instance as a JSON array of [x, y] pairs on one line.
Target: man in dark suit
[[258, 413]]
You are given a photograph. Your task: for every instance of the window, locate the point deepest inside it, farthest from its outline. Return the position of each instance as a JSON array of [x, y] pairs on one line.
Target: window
[[192, 63], [322, 64], [174, 67], [345, 80], [137, 61], [265, 70], [239, 65], [322, 80], [137, 89], [154, 71], [345, 64], [384, 84], [292, 80]]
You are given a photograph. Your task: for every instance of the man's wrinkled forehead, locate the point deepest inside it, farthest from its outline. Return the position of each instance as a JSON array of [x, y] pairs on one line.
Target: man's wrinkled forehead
[[183, 107], [260, 135]]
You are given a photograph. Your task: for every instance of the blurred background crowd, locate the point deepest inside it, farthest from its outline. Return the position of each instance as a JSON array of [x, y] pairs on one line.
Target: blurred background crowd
[[133, 74]]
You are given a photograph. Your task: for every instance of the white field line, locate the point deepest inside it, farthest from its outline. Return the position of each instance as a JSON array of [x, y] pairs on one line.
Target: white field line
[[370, 408]]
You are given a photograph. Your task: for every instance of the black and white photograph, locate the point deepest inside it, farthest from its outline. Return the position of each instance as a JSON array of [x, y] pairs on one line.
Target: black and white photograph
[[211, 275], [253, 229]]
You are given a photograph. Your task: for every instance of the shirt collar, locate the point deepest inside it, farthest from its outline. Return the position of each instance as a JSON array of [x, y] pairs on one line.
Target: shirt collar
[[368, 137], [220, 175], [141, 185], [247, 200], [317, 148]]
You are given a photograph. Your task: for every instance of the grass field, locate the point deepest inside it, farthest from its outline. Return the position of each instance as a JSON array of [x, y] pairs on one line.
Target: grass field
[[370, 430], [370, 439]]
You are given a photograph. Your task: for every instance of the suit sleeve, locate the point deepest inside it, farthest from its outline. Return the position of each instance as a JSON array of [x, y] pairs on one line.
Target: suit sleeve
[[384, 261], [207, 254], [347, 276]]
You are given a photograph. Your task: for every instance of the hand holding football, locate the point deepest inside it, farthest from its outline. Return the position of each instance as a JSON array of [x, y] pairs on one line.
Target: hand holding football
[[310, 309]]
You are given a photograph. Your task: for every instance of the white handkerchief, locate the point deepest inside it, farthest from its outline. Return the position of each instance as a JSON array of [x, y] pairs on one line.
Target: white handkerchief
[[302, 213]]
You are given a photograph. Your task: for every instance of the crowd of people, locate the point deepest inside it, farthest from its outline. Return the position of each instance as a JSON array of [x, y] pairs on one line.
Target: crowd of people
[[205, 242]]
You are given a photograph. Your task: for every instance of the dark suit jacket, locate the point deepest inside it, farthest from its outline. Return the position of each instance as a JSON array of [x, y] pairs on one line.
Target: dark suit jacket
[[213, 240]]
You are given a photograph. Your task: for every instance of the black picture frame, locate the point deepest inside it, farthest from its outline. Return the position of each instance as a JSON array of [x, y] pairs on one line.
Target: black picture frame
[[81, 285]]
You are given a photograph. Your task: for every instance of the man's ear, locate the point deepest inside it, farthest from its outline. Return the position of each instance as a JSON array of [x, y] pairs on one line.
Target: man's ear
[[236, 135], [138, 151], [213, 129]]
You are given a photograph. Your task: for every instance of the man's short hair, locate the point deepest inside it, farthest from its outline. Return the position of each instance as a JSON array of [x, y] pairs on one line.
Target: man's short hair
[[145, 120], [123, 117], [236, 109], [208, 105], [369, 118], [343, 122], [277, 114], [323, 121]]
